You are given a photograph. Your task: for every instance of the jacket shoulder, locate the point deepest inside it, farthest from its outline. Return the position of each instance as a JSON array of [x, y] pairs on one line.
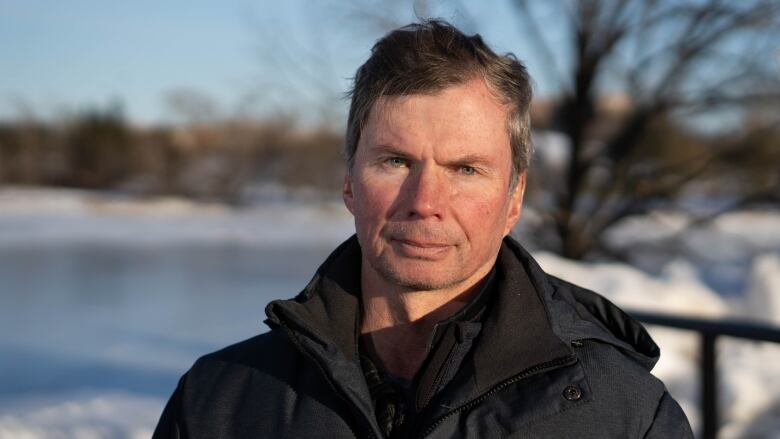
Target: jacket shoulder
[[585, 314], [260, 351], [223, 392], [617, 355], [267, 360]]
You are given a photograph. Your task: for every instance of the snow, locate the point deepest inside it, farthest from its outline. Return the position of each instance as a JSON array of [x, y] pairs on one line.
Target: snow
[[728, 268], [762, 296], [82, 416], [673, 292], [54, 216]]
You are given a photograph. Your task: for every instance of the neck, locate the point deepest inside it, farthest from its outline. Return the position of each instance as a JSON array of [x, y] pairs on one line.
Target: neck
[[400, 322]]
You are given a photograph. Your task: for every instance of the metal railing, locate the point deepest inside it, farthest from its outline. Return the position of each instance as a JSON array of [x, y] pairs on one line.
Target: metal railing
[[709, 331]]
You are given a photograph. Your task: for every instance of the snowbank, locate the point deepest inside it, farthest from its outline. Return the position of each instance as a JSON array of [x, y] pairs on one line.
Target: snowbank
[[762, 296], [56, 216], [678, 290], [82, 416]]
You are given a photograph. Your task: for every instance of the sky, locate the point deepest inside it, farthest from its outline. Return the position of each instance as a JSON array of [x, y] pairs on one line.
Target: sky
[[239, 56], [64, 55]]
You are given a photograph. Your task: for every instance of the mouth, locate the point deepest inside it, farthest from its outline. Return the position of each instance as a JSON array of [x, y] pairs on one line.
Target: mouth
[[422, 244], [421, 249]]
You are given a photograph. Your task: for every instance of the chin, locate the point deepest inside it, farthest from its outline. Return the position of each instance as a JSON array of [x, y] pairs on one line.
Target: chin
[[417, 275]]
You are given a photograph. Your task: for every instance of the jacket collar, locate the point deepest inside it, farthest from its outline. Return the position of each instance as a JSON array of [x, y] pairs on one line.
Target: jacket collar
[[532, 320], [327, 310], [322, 322], [517, 334], [575, 313]]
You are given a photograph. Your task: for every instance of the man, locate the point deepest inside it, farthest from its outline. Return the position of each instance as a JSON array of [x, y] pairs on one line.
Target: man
[[431, 322]]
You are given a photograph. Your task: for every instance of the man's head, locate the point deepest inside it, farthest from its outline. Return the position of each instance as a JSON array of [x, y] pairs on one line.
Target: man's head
[[438, 148], [429, 57]]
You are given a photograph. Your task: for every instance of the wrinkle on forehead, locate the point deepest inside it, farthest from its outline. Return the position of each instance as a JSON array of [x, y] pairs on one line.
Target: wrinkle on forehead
[[383, 115], [388, 122]]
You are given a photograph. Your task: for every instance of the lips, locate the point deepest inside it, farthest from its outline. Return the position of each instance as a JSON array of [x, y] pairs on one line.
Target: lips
[[422, 244], [421, 250]]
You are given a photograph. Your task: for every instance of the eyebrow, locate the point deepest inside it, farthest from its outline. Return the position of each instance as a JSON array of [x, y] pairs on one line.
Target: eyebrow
[[473, 158], [388, 149]]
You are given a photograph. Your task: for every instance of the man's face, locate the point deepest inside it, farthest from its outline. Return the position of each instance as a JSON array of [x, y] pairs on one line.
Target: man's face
[[429, 188]]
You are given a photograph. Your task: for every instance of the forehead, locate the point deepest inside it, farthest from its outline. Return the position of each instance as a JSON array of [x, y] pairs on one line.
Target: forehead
[[465, 114]]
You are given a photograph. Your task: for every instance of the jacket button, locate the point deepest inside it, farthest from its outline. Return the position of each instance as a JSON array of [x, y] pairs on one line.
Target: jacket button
[[572, 393]]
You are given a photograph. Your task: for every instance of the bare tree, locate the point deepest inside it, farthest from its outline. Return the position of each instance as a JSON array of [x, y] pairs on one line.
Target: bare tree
[[191, 106], [673, 61], [298, 72], [655, 98]]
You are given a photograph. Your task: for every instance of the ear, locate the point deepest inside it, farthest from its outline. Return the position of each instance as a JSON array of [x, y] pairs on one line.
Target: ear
[[515, 204], [346, 191]]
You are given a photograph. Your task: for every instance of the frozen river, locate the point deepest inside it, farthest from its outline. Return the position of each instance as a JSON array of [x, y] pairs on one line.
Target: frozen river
[[79, 320], [100, 316], [105, 302]]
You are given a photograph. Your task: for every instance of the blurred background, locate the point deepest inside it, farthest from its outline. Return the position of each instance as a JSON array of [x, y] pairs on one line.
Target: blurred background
[[168, 168]]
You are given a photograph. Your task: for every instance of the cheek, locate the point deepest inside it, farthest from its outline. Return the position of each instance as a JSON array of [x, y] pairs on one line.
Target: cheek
[[372, 205], [484, 215]]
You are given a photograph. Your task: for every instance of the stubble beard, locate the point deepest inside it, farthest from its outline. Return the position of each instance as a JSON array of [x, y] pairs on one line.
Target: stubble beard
[[441, 275], [417, 274]]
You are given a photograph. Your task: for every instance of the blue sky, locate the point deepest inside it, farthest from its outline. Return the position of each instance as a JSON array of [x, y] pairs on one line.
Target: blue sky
[[58, 57], [76, 53]]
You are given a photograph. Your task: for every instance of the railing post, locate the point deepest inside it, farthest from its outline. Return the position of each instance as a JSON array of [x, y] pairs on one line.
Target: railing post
[[709, 386]]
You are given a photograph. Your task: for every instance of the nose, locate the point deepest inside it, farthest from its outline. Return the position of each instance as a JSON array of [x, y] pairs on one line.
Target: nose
[[425, 193]]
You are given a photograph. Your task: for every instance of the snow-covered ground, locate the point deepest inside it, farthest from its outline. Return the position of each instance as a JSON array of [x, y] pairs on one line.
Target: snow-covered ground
[[730, 268]]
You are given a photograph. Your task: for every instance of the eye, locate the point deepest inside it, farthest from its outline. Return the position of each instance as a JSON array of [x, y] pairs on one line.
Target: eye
[[396, 162], [467, 170]]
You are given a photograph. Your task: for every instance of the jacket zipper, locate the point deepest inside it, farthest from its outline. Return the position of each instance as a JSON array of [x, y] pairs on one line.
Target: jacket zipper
[[429, 392], [541, 367], [313, 359]]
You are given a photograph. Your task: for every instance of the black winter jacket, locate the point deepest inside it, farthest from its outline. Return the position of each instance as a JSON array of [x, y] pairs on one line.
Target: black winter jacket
[[552, 361]]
